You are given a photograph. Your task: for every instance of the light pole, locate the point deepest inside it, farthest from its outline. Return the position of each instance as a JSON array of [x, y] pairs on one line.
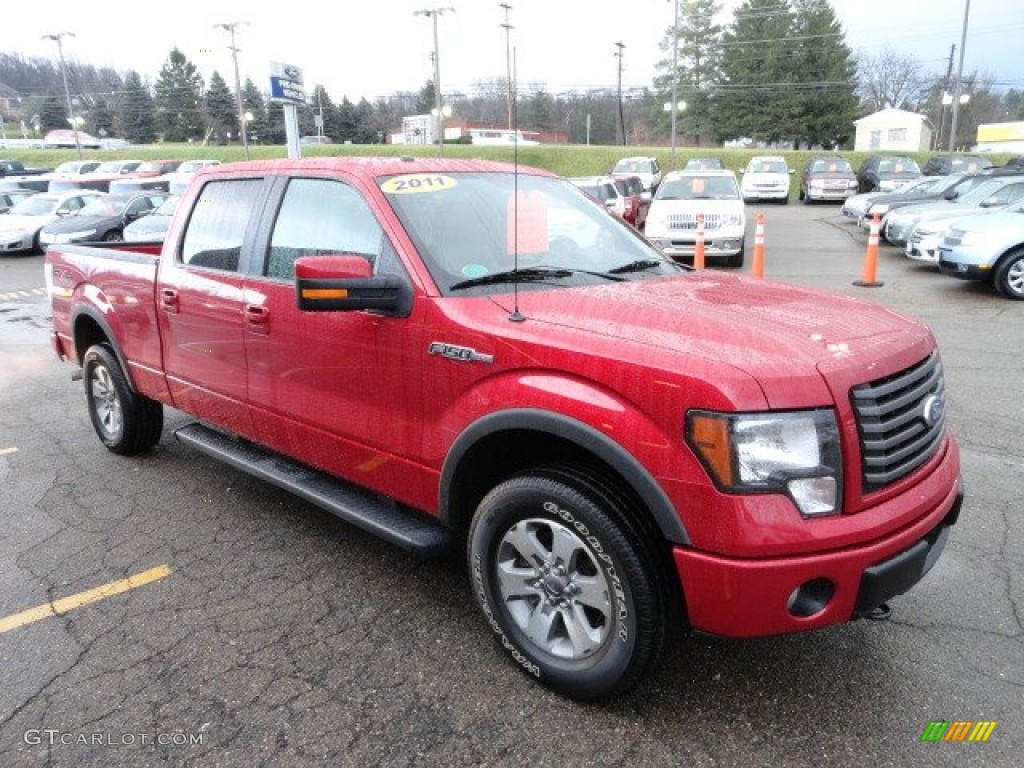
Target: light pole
[[675, 73], [67, 93], [959, 79], [231, 27], [508, 60], [433, 13], [622, 121]]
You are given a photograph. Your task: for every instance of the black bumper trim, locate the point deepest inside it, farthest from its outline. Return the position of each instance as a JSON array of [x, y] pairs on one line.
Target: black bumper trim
[[899, 573]]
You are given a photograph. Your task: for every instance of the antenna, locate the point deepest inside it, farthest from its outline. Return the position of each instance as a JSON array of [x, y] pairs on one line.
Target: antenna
[[516, 316]]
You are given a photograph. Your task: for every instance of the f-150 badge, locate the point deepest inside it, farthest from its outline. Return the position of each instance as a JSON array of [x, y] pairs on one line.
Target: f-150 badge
[[454, 352]]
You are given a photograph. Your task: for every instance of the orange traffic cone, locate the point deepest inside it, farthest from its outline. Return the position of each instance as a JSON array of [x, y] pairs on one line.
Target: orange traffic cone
[[869, 278], [698, 249], [757, 269]]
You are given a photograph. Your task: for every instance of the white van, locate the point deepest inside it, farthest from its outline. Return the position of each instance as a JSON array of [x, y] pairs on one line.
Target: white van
[[766, 177], [683, 195]]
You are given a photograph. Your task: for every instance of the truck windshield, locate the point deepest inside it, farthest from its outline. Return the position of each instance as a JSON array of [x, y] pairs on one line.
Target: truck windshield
[[470, 225]]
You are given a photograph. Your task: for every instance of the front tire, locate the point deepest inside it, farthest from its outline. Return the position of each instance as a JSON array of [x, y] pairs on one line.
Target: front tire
[[573, 595], [125, 421], [1009, 276]]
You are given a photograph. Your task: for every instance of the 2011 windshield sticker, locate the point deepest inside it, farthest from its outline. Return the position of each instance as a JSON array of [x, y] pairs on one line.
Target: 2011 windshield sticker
[[417, 183]]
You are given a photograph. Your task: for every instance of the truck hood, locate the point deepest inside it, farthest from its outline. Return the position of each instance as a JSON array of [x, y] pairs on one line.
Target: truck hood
[[776, 333]]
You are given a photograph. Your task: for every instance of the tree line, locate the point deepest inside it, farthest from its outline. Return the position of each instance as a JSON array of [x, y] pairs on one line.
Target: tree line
[[779, 73]]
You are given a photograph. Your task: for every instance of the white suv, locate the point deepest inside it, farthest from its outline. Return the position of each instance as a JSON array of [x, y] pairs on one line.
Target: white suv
[[672, 220], [766, 177], [646, 168]]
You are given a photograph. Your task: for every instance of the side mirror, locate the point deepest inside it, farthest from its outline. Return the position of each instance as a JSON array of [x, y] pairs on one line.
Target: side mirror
[[345, 282]]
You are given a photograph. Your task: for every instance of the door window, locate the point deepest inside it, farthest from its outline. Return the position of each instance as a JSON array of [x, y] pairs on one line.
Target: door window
[[320, 217], [216, 228]]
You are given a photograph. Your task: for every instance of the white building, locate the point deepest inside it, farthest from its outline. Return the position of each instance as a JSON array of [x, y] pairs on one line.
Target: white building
[[1001, 137], [893, 129]]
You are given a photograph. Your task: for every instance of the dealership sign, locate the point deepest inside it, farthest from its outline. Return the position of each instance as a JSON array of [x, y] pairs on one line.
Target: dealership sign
[[286, 83]]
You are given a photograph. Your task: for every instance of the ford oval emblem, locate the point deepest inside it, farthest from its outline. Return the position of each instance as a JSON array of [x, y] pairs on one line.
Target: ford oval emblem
[[933, 409]]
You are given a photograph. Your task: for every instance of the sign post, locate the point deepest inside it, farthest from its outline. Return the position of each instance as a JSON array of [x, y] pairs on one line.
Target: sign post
[[287, 87]]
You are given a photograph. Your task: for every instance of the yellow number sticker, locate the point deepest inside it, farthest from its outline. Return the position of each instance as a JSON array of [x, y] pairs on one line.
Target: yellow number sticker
[[416, 183]]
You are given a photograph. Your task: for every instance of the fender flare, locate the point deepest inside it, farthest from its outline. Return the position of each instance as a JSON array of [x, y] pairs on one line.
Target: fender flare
[[96, 316], [579, 433]]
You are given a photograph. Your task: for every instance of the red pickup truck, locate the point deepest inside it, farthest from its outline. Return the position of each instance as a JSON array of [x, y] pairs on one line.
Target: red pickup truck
[[465, 354]]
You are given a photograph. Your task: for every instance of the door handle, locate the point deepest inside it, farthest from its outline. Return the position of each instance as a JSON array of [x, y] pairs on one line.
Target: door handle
[[257, 318], [169, 299]]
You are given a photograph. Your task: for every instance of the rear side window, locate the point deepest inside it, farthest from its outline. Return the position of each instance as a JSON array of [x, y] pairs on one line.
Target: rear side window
[[320, 217], [217, 226]]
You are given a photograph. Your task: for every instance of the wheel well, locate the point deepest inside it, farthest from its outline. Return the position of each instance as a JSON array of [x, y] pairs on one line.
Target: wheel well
[[505, 453], [87, 332], [502, 454]]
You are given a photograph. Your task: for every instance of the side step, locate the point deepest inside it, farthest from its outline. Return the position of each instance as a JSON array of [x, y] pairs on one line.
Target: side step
[[410, 530]]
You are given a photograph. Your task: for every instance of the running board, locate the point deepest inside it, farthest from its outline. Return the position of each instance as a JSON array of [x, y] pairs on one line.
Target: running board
[[412, 531]]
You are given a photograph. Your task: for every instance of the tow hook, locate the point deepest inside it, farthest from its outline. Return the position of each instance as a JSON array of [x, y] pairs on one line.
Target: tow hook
[[881, 613]]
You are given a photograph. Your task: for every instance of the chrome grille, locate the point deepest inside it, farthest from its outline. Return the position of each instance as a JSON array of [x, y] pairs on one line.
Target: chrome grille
[[688, 221], [901, 420]]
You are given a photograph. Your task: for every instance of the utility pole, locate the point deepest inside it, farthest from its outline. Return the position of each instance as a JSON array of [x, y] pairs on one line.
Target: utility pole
[[433, 13], [67, 93], [622, 122], [231, 27], [959, 80], [508, 60], [937, 144]]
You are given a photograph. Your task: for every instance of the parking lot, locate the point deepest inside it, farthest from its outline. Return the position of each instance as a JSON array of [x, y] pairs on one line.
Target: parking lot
[[253, 629]]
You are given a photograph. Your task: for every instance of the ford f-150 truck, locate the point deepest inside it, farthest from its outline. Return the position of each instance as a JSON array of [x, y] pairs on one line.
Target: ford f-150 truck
[[465, 354]]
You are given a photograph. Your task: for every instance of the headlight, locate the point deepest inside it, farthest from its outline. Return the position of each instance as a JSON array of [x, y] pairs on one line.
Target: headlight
[[796, 453], [70, 237]]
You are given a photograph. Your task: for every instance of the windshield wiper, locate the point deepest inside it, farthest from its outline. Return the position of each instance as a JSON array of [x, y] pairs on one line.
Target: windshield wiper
[[530, 274], [636, 266]]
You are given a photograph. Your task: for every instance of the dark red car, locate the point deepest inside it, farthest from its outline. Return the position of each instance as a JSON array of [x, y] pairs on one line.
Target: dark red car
[[637, 203]]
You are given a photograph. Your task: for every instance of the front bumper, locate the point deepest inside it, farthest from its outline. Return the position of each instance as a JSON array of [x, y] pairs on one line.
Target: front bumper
[[965, 262], [924, 249], [17, 242], [727, 241], [755, 598]]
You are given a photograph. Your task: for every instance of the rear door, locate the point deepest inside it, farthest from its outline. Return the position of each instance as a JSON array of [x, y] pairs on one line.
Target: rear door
[[201, 303]]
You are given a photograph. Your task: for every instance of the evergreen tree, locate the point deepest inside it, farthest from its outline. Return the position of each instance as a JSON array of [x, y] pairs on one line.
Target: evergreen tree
[[699, 60], [99, 120], [757, 98], [827, 71], [53, 114], [179, 92], [348, 129], [137, 111], [425, 99], [220, 111], [258, 127]]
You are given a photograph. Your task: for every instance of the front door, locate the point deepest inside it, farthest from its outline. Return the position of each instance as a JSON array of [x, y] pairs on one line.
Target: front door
[[341, 389]]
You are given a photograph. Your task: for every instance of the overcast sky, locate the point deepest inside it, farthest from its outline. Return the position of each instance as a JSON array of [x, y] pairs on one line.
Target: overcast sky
[[373, 48]]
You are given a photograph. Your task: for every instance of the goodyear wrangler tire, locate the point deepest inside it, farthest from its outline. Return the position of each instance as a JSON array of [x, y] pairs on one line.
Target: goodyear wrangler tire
[[570, 592], [125, 421]]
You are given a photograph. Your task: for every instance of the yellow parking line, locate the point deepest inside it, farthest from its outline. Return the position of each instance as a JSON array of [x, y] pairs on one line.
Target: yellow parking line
[[5, 451], [65, 604]]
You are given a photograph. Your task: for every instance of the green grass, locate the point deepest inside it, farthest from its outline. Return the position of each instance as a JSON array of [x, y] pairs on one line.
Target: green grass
[[563, 159]]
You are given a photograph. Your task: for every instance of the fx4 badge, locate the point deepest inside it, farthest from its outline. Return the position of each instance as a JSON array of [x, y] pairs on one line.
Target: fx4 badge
[[454, 352]]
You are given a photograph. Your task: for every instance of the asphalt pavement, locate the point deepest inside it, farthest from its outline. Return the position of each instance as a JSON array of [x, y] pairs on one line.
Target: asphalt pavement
[[253, 629]]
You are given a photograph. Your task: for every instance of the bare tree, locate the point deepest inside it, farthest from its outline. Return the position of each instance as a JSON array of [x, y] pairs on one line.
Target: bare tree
[[891, 79]]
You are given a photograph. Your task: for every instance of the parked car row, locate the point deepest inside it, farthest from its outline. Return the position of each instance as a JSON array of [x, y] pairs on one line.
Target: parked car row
[[970, 226], [40, 219], [114, 176]]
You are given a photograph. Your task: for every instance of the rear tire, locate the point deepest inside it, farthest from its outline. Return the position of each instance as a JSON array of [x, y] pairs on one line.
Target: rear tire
[[1009, 276], [574, 596], [125, 421]]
